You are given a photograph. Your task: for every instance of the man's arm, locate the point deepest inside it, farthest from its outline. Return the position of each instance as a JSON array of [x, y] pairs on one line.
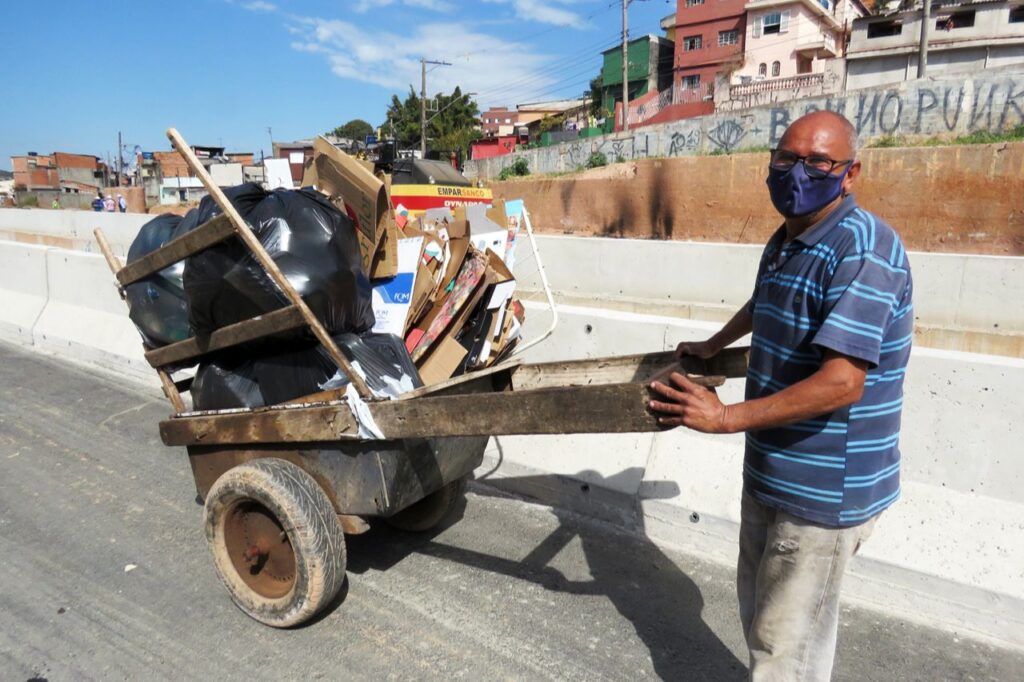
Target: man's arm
[[837, 383], [741, 324]]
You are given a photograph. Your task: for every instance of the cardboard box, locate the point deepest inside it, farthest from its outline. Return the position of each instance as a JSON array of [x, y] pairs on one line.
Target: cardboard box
[[443, 361], [365, 198]]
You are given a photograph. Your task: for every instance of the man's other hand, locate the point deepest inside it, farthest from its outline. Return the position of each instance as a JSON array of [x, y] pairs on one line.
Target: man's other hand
[[684, 403], [701, 349]]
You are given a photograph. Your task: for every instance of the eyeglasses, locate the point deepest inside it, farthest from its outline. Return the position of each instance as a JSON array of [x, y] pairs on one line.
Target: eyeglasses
[[816, 165]]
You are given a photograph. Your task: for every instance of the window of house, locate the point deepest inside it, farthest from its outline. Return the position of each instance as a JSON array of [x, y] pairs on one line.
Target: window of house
[[1017, 15], [762, 70], [884, 29], [692, 43], [728, 37], [691, 82], [691, 3], [772, 23], [803, 64], [955, 20], [508, 120], [776, 68]]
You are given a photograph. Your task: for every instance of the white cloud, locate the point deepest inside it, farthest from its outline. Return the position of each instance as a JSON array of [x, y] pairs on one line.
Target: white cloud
[[363, 6], [259, 6], [554, 12], [481, 63]]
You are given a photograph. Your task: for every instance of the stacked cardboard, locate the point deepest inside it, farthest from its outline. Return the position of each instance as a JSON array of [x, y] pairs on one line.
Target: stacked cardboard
[[441, 280]]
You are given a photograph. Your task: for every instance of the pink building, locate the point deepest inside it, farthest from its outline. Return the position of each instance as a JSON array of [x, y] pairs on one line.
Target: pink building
[[786, 38]]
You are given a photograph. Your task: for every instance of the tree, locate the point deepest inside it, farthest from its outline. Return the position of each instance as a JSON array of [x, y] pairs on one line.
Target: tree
[[596, 95], [356, 129], [451, 121]]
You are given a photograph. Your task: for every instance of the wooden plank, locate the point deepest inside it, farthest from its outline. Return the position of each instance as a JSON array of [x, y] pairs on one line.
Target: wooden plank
[[282, 424], [203, 237], [264, 259], [281, 320], [730, 363], [609, 408]]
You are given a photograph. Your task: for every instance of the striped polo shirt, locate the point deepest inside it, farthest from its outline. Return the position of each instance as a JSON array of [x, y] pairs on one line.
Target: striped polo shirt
[[845, 285]]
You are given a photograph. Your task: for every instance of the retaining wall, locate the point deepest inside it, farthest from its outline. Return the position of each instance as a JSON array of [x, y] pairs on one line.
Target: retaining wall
[[950, 552], [964, 198], [991, 101]]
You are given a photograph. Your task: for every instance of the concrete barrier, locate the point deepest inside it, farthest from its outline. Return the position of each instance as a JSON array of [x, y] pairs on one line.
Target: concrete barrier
[[24, 287], [950, 552], [70, 229]]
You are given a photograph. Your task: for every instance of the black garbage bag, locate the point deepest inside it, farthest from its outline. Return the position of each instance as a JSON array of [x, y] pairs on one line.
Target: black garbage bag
[[312, 242], [223, 385], [157, 305], [382, 358]]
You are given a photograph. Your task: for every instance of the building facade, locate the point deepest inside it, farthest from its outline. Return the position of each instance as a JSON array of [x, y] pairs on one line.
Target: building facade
[[498, 121], [789, 38], [650, 70], [710, 38], [963, 38]]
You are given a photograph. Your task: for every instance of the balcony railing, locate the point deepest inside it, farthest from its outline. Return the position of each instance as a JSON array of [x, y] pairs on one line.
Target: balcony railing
[[806, 80], [645, 110]]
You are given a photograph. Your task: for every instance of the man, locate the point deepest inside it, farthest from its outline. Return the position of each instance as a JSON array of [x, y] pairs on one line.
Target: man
[[122, 205], [108, 204], [831, 323]]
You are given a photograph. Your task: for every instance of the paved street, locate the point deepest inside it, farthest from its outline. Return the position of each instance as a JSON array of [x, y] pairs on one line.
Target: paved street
[[511, 591]]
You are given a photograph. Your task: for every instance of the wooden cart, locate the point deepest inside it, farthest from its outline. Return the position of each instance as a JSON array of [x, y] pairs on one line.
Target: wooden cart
[[282, 485]]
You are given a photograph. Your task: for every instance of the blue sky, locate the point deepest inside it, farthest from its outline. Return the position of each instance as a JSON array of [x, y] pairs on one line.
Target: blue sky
[[223, 71]]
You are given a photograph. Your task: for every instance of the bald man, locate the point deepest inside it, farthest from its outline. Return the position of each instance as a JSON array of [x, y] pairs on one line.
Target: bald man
[[831, 322]]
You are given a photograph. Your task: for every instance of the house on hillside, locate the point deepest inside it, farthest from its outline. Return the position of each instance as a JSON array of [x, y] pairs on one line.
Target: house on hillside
[[795, 39], [710, 36], [650, 70], [71, 179], [964, 37]]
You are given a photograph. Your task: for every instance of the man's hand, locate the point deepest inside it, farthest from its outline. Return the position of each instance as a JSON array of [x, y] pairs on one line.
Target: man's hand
[[684, 403], [701, 349]]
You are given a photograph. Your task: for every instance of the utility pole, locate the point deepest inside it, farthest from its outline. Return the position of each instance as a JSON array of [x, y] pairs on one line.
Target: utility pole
[[423, 103], [625, 64], [120, 161], [922, 53], [270, 134]]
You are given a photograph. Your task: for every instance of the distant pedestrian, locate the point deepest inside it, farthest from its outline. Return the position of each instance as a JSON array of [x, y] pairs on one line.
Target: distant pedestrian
[[98, 203], [56, 204], [108, 204], [122, 205]]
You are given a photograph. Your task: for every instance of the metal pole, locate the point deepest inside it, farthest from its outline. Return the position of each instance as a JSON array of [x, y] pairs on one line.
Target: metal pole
[[120, 163], [625, 64], [423, 108], [922, 53]]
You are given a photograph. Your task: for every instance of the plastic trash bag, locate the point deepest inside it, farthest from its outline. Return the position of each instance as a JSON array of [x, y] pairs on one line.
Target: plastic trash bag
[[312, 242], [221, 385], [157, 305]]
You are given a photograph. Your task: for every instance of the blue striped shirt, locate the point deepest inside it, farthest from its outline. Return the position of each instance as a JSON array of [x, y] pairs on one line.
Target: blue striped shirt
[[844, 285]]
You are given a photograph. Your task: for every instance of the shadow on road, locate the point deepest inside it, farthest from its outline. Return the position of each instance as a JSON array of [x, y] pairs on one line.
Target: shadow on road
[[647, 588]]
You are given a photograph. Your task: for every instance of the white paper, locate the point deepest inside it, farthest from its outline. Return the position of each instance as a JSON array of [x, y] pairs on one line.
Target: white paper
[[392, 297], [495, 241], [502, 292], [279, 173], [296, 157]]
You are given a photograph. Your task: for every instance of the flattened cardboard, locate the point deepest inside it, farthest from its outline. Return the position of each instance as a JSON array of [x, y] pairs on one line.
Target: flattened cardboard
[[337, 173]]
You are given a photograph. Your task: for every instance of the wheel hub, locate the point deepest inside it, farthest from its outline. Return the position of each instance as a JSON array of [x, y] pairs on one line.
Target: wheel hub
[[259, 549]]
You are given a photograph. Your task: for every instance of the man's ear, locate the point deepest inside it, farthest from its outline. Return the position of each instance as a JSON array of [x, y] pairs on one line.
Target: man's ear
[[851, 177]]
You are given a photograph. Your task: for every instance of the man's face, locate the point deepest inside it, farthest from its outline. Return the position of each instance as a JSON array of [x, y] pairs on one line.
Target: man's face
[[823, 143]]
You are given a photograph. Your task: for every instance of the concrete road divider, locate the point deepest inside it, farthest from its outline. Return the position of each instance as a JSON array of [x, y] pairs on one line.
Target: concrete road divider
[[24, 289]]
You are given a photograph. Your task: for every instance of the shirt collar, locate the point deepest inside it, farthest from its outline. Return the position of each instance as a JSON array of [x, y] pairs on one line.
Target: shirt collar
[[816, 232]]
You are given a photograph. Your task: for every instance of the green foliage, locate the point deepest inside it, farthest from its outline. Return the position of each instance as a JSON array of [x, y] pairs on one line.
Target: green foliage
[[596, 95], [620, 159], [519, 168], [888, 141], [1015, 134], [356, 129], [29, 200], [549, 123], [596, 160], [450, 124]]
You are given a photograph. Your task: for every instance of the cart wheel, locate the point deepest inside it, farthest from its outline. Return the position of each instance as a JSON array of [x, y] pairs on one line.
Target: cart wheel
[[276, 541], [431, 510]]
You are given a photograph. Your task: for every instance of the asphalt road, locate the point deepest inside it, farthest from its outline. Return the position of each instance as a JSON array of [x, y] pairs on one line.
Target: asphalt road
[[512, 591]]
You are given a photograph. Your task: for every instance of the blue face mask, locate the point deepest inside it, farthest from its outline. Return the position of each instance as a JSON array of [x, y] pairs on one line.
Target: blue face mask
[[795, 194]]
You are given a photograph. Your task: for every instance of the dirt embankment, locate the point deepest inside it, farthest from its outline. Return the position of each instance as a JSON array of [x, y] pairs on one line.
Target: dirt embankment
[[962, 199]]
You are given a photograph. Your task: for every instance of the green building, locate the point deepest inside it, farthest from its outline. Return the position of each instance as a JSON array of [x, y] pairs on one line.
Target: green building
[[650, 68]]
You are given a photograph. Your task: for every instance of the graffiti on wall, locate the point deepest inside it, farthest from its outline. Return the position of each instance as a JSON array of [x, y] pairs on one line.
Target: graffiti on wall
[[727, 135], [684, 141], [925, 110]]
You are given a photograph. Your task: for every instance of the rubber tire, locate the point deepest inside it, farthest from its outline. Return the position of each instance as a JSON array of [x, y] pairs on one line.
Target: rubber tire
[[429, 512], [303, 509]]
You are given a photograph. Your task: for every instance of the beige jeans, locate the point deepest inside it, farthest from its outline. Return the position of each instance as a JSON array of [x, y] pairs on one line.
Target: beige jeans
[[788, 579]]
